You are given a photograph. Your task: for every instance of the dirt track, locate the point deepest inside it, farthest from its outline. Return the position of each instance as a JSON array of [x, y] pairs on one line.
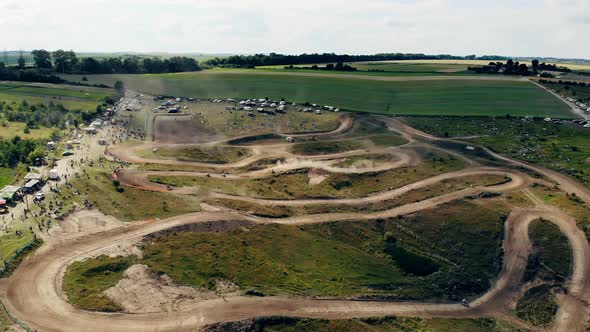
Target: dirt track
[[33, 293]]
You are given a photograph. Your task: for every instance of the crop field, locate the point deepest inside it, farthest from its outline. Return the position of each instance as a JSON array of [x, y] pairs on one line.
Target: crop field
[[71, 97], [411, 97]]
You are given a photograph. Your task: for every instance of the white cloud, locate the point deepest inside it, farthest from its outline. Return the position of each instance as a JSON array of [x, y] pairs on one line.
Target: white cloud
[[508, 27]]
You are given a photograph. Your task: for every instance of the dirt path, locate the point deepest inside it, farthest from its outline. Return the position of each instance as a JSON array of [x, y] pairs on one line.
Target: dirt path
[[573, 106], [34, 292], [517, 180]]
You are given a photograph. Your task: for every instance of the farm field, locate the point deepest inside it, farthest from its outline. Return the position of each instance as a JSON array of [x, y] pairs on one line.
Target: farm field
[[72, 97], [393, 68], [362, 94]]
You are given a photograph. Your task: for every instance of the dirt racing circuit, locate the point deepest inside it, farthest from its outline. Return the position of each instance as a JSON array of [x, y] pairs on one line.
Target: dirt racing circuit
[[34, 293]]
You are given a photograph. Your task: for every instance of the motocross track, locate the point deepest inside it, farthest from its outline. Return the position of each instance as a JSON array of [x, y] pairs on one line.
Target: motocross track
[[34, 294]]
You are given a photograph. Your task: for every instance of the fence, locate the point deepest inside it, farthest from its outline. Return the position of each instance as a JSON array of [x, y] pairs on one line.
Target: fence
[[4, 269], [20, 250]]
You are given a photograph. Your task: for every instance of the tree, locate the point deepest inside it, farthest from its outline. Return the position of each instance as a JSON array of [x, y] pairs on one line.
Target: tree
[[535, 63], [42, 58], [64, 61], [21, 62], [90, 65], [55, 135]]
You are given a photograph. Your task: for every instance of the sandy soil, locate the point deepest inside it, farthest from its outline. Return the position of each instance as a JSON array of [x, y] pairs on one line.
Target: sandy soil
[[141, 291]]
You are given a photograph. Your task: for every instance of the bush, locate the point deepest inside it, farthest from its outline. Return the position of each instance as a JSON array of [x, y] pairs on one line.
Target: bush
[[254, 292]]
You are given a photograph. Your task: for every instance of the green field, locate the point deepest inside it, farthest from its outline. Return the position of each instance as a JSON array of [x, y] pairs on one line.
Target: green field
[[385, 68], [72, 97], [364, 94]]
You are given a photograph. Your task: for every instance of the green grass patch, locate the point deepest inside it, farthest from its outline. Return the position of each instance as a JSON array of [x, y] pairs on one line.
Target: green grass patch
[[6, 176], [538, 306], [132, 204], [85, 282], [327, 147], [551, 259], [272, 259], [426, 97], [215, 155], [17, 129], [464, 238]]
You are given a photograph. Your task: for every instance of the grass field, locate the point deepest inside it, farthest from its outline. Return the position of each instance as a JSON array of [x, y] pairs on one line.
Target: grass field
[[296, 184], [385, 68], [101, 192], [562, 147], [376, 258], [71, 97], [17, 129], [425, 97]]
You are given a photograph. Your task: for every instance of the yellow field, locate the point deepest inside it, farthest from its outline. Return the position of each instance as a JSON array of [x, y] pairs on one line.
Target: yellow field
[[16, 128]]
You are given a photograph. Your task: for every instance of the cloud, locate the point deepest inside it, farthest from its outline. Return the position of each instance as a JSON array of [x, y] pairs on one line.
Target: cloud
[[509, 27]]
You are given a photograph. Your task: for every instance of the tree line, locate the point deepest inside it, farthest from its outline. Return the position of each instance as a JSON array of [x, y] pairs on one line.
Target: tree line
[[275, 59], [67, 62], [47, 65], [516, 68], [329, 67]]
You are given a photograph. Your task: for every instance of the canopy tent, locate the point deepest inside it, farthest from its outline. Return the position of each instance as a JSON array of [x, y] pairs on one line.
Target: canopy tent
[[6, 196], [7, 193], [33, 176], [31, 184]]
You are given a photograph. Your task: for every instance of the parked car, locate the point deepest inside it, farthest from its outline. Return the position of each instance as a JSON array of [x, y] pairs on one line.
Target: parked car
[[39, 197]]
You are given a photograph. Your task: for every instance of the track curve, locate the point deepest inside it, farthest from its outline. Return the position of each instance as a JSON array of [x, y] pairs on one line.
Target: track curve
[[34, 293]]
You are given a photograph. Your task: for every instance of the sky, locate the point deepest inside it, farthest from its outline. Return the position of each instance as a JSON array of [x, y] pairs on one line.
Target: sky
[[549, 28]]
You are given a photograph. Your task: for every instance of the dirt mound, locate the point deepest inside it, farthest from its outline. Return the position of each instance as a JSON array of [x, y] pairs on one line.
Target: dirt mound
[[142, 291], [81, 223]]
